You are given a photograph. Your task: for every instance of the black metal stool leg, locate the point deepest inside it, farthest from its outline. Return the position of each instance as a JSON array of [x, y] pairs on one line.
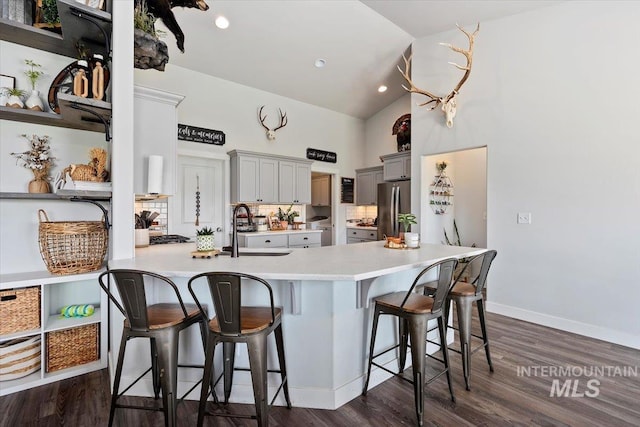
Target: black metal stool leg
[[283, 364], [155, 372], [483, 326], [403, 337], [418, 334], [206, 379], [445, 353], [229, 357], [374, 330], [116, 380], [463, 307], [257, 348], [168, 365]]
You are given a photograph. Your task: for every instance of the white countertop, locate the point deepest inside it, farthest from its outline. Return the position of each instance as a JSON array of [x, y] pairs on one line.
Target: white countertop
[[328, 263]]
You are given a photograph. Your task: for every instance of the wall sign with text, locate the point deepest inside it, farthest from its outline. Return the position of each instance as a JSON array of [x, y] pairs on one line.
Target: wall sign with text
[[323, 156], [346, 190], [196, 134]]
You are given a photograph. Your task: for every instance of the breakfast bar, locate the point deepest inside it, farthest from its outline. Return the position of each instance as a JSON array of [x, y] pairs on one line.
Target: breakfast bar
[[325, 294]]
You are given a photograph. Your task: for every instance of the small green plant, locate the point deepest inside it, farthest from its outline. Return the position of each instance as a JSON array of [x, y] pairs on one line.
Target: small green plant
[[287, 215], [33, 74], [406, 219], [205, 231], [143, 19], [50, 12], [15, 92]]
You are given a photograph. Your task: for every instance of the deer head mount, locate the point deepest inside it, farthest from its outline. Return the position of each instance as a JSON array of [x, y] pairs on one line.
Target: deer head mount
[[448, 101], [271, 133]]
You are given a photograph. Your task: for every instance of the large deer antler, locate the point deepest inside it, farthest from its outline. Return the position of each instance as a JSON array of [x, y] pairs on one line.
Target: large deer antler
[[271, 134], [448, 102]]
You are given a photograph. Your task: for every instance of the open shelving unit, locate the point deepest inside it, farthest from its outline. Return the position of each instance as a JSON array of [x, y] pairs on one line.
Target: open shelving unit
[[93, 28]]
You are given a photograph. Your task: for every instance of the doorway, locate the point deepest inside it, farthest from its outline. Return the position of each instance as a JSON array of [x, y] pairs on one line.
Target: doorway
[[467, 173]]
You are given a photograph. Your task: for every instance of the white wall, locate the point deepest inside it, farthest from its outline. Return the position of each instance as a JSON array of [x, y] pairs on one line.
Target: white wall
[[232, 108], [553, 96]]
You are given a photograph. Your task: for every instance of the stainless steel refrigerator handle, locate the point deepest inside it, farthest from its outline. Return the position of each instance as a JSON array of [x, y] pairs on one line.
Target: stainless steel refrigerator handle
[[397, 209], [392, 213]]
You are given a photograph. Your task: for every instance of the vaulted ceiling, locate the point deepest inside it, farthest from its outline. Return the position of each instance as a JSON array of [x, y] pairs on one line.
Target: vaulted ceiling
[[272, 45]]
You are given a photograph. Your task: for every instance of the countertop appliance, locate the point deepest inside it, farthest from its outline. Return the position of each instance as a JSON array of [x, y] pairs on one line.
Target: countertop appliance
[[393, 198], [321, 222]]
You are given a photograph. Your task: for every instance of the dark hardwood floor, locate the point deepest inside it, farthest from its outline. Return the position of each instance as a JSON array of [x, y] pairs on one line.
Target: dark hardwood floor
[[502, 398]]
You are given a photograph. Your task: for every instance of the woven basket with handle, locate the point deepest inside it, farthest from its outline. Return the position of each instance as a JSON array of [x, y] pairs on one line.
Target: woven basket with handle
[[72, 247]]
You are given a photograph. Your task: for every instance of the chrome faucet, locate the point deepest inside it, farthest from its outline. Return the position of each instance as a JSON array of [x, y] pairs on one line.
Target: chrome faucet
[[234, 234]]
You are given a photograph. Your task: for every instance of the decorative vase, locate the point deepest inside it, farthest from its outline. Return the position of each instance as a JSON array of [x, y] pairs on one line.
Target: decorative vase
[[39, 186], [412, 240], [15, 102], [284, 224], [142, 237], [204, 243], [34, 102]]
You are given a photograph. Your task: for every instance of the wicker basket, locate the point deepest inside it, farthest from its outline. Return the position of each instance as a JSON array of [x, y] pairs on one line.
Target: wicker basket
[[19, 358], [72, 347], [72, 247], [19, 310]]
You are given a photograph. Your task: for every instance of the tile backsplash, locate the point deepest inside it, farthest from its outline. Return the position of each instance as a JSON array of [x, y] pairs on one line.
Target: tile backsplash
[[359, 212], [162, 207]]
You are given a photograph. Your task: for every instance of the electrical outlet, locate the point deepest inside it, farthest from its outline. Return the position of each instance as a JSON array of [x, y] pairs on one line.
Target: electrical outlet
[[524, 217]]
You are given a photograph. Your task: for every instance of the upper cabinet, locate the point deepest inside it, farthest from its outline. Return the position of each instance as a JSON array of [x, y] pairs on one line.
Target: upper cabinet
[[397, 166], [80, 24], [321, 190], [260, 178], [367, 181]]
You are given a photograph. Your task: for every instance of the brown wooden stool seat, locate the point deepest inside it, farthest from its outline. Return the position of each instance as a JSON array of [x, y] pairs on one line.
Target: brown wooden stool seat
[[414, 312], [234, 323], [161, 323], [165, 315]]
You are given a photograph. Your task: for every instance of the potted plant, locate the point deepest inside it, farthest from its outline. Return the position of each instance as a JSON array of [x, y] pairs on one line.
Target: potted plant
[[15, 98], [39, 160], [287, 217], [33, 102], [204, 239], [408, 219]]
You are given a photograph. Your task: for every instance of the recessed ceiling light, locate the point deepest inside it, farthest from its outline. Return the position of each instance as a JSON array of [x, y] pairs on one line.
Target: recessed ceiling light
[[382, 88], [320, 63], [222, 22]]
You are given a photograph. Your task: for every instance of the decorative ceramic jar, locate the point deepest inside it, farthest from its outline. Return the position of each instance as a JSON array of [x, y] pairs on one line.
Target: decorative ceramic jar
[[34, 102], [205, 242], [142, 237]]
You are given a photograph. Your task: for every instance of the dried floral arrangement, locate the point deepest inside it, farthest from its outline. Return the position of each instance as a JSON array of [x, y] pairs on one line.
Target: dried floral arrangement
[[38, 158]]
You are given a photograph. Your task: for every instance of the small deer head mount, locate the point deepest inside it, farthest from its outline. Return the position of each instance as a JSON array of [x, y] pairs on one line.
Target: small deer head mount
[[448, 101], [271, 133]]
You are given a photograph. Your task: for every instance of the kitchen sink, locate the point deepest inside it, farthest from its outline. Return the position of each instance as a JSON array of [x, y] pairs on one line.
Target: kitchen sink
[[241, 254]]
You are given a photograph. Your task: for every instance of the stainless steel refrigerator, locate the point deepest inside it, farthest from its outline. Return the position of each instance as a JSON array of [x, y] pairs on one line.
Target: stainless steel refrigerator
[[393, 198]]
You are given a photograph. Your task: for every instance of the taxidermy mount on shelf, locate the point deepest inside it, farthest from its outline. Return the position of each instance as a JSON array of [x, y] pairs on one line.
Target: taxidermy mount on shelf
[[161, 9], [402, 130], [448, 101]]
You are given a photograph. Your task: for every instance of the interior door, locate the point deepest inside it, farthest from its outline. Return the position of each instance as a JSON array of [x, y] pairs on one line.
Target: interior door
[[207, 176]]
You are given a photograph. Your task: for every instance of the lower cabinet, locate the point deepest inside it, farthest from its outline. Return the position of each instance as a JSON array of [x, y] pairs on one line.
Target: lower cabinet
[[358, 235], [38, 345], [295, 239]]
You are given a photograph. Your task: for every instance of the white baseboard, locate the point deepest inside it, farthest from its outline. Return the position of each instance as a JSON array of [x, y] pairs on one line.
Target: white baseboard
[[592, 331]]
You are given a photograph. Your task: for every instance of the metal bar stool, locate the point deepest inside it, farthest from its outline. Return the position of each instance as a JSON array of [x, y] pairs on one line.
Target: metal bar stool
[[464, 294], [414, 310], [233, 324], [161, 323]]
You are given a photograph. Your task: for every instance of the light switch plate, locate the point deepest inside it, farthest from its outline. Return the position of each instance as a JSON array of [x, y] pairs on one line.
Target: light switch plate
[[524, 217]]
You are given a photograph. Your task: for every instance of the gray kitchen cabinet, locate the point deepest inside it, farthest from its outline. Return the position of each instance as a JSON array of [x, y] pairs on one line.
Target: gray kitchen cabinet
[[397, 166], [263, 178], [321, 191], [360, 235], [293, 239], [367, 181], [294, 182], [253, 178]]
